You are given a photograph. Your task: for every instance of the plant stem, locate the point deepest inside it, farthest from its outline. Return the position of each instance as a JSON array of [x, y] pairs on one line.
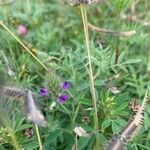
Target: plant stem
[[117, 38], [76, 142], [85, 24], [38, 136], [17, 39], [14, 140], [15, 143]]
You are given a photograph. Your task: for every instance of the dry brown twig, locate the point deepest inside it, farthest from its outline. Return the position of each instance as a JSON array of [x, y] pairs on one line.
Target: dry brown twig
[[110, 32]]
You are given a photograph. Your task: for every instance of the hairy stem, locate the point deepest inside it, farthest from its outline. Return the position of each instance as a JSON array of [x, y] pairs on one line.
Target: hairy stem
[[85, 24]]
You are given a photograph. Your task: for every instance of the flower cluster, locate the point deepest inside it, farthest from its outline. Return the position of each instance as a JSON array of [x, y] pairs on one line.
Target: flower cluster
[[84, 2], [62, 97], [64, 86]]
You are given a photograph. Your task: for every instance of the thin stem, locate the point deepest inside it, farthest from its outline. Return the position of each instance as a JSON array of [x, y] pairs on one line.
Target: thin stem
[[75, 114], [85, 24], [117, 38], [148, 67], [38, 136], [66, 110], [17, 39], [76, 142]]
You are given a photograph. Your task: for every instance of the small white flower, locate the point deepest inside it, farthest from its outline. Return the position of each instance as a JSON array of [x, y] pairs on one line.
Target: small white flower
[[79, 131], [52, 106], [114, 90]]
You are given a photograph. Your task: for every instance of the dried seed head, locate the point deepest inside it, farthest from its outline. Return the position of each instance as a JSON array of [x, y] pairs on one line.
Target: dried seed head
[[85, 119], [78, 2], [13, 92], [28, 133], [134, 106]]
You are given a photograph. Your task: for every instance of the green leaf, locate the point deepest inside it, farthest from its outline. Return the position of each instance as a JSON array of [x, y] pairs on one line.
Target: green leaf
[[85, 101], [102, 138], [31, 145], [52, 137], [121, 56], [115, 127], [22, 127], [83, 86], [146, 121], [83, 142], [131, 61], [106, 123]]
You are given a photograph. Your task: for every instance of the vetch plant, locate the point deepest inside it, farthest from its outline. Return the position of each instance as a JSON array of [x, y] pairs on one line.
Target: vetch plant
[[85, 96]]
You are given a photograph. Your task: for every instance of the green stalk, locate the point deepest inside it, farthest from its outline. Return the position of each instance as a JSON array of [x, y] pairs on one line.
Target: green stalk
[[14, 142], [38, 136], [76, 142], [85, 24], [117, 38]]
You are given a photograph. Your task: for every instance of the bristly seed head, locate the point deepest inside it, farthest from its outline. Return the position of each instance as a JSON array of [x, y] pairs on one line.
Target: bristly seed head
[[78, 2]]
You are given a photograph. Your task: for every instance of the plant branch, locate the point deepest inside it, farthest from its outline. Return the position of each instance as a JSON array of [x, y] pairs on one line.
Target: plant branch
[[110, 32]]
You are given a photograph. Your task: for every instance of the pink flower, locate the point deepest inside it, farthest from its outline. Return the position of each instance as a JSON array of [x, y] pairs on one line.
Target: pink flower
[[22, 30]]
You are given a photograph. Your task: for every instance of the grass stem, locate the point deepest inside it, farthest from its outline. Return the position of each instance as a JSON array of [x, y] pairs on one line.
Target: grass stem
[[85, 24], [38, 136]]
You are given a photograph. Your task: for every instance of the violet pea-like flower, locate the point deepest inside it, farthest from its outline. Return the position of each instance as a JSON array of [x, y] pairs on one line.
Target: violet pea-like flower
[[65, 85], [62, 98], [43, 91]]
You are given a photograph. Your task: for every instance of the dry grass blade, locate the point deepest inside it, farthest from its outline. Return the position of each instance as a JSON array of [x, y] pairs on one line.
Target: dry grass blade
[[110, 32]]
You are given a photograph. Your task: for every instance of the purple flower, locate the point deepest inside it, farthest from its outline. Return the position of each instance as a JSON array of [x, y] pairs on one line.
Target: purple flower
[[62, 98], [65, 85], [43, 91], [22, 30]]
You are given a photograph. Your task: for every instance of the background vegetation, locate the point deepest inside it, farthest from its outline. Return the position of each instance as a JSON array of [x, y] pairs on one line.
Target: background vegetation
[[55, 35]]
